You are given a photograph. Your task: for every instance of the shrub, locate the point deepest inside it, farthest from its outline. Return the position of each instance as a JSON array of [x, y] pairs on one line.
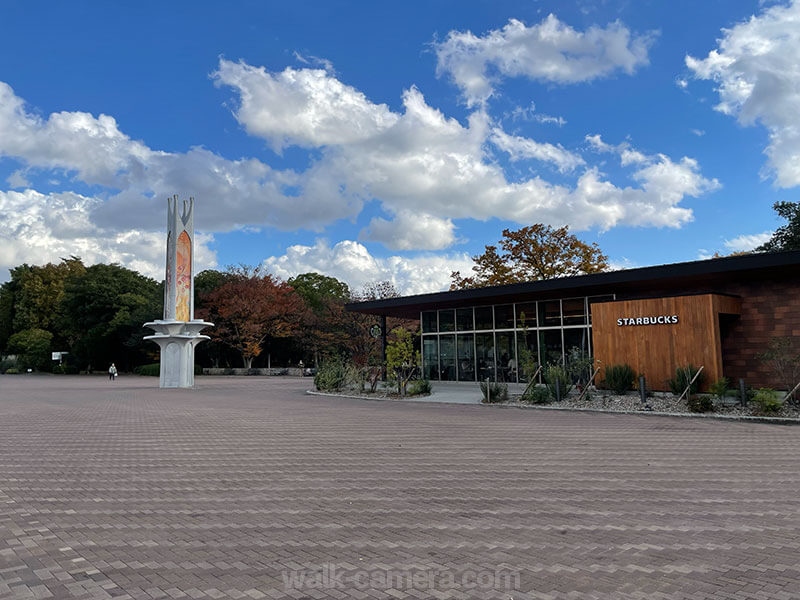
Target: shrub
[[12, 371], [494, 392], [557, 374], [720, 387], [151, 370], [783, 357], [420, 387], [537, 395], [700, 404], [332, 374], [65, 369], [683, 375], [620, 378], [767, 402], [8, 363], [579, 366]]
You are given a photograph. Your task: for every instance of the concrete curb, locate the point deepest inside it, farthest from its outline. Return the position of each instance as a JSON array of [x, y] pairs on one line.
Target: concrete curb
[[648, 413]]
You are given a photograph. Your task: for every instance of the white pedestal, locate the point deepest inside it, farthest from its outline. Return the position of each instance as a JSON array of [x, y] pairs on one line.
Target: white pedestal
[[177, 340]]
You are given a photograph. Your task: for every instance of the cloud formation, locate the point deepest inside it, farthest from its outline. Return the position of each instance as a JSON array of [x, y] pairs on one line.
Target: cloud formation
[[748, 242], [423, 163], [755, 68], [351, 262], [41, 228], [549, 51]]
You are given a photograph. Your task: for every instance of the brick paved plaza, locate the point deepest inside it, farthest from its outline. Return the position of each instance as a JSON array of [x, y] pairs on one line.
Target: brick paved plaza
[[245, 486]]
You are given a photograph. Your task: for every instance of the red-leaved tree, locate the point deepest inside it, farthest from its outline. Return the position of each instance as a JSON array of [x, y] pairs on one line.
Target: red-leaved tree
[[250, 307]]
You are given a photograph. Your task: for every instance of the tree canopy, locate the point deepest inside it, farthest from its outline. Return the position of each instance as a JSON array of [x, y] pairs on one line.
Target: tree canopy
[[531, 254], [786, 237], [316, 289], [250, 307]]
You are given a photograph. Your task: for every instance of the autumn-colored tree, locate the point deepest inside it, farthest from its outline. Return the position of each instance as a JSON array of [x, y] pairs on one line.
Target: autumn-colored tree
[[530, 254], [250, 307]]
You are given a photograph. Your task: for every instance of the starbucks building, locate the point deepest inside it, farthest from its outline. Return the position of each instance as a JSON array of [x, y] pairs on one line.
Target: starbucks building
[[719, 313]]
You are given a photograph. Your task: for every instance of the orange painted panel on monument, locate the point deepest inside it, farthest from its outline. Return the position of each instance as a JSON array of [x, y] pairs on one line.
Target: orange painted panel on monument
[[183, 277], [657, 335]]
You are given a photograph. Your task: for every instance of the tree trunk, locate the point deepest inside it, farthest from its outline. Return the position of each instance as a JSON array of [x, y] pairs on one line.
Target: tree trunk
[[248, 362]]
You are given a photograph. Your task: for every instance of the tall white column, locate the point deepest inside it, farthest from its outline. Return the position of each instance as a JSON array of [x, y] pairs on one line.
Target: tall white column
[[178, 332]]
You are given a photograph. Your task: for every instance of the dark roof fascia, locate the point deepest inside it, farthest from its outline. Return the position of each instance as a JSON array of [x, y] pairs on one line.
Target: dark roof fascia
[[709, 267]]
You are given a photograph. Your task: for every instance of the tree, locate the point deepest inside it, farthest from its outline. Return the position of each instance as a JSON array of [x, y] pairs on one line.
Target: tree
[[32, 298], [378, 290], [250, 307], [32, 347], [316, 289], [402, 360], [102, 314], [531, 254], [786, 237]]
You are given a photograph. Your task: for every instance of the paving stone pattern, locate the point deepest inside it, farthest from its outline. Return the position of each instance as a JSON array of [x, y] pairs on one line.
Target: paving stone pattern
[[242, 487]]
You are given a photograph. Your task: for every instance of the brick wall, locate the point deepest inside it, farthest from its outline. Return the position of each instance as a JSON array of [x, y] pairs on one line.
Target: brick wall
[[769, 309]]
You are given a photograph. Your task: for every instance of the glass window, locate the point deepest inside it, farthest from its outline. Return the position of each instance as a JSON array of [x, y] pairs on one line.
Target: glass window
[[483, 318], [447, 320], [429, 322], [574, 311], [506, 357], [528, 353], [576, 338], [550, 345], [464, 320], [447, 357], [504, 316], [526, 315], [484, 351], [593, 299], [466, 357], [430, 357], [550, 313]]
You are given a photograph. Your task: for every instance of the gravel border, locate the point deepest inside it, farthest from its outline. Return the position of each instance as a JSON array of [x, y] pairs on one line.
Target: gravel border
[[518, 405]]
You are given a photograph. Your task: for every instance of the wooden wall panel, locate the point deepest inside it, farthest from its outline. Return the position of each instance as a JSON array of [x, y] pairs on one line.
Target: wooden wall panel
[[656, 350]]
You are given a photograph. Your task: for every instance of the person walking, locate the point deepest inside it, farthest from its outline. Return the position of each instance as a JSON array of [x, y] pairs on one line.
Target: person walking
[[112, 372]]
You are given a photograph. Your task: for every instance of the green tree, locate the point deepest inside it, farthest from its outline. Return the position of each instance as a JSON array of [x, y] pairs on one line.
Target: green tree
[[316, 289], [32, 347], [103, 312], [786, 237], [402, 360], [531, 254]]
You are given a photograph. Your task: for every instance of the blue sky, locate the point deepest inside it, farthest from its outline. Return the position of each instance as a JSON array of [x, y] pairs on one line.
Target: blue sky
[[373, 141]]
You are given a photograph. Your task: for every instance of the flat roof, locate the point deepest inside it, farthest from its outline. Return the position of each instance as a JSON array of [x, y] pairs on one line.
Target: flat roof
[[699, 275]]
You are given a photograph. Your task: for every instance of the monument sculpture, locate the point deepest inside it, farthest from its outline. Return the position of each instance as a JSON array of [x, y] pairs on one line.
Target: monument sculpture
[[178, 332]]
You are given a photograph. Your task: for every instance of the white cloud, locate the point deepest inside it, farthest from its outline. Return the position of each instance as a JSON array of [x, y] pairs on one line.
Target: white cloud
[[17, 179], [424, 163], [548, 51], [748, 242], [352, 263], [38, 228], [755, 67], [411, 231], [302, 107], [519, 148], [529, 114], [699, 132]]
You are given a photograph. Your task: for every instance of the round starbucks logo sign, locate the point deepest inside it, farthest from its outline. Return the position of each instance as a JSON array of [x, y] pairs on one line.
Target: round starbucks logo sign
[[375, 331]]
